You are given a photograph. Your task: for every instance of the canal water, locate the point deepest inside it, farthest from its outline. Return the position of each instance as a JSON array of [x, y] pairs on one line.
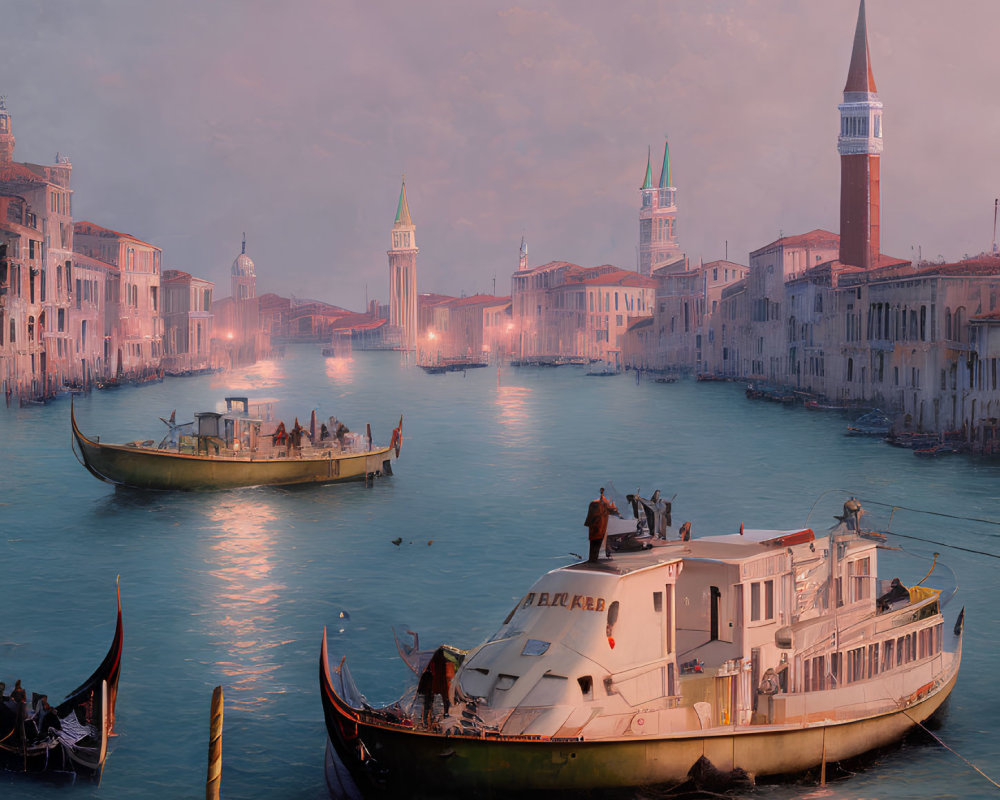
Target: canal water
[[497, 468]]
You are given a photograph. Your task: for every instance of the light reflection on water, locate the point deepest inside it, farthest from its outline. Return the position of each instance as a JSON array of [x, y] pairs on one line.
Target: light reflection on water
[[340, 370], [244, 596], [512, 403]]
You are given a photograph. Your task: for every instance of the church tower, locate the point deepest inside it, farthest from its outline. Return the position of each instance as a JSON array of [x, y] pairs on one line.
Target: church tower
[[403, 274], [6, 134], [658, 218], [244, 278], [860, 148]]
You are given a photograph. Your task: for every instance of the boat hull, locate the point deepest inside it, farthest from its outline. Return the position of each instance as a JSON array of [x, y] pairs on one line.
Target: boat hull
[[89, 710], [470, 766], [141, 468]]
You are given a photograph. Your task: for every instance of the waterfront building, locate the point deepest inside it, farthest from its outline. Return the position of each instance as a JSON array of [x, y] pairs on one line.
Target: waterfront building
[[498, 329], [137, 306], [187, 321], [38, 351], [658, 246], [244, 275], [676, 336], [238, 320], [457, 326], [833, 316], [403, 275], [93, 317], [563, 310]]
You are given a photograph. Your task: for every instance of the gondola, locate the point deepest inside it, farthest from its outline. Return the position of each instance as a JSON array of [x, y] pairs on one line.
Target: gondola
[[69, 740]]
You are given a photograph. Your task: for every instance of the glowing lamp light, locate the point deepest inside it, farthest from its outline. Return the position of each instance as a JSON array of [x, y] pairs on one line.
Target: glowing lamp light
[[431, 336], [229, 335]]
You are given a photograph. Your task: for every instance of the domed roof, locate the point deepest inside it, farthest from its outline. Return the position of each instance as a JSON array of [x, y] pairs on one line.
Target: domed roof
[[243, 265]]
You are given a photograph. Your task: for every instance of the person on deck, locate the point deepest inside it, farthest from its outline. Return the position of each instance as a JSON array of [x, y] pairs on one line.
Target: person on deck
[[597, 524], [279, 436], [295, 437]]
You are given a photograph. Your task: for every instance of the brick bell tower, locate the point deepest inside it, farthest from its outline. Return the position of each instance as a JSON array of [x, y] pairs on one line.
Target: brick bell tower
[[860, 148], [6, 134]]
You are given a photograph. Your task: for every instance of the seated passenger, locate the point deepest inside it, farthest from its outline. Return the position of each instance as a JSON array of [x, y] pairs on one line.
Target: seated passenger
[[896, 593]]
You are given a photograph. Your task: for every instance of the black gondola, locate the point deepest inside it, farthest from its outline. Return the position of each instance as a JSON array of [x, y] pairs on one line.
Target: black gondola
[[68, 740]]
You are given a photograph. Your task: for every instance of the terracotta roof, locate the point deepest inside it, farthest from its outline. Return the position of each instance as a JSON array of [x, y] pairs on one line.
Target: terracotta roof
[[859, 75], [84, 228], [549, 267], [977, 266], [13, 172], [480, 299], [621, 278], [816, 237], [79, 259]]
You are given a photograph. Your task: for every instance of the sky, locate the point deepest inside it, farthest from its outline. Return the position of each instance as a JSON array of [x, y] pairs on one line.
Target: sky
[[189, 123]]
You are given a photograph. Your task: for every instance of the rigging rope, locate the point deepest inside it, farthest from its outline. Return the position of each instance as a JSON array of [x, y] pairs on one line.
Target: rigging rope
[[895, 507], [952, 750]]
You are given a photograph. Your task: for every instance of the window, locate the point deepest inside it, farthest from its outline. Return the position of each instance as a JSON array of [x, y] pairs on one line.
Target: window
[[859, 573], [762, 600]]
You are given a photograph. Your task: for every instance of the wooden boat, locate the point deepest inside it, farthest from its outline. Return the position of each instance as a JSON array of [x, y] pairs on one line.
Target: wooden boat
[[874, 423], [230, 450], [70, 739], [767, 652]]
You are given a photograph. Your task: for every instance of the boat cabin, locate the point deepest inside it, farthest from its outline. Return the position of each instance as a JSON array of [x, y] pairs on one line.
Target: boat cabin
[[760, 627]]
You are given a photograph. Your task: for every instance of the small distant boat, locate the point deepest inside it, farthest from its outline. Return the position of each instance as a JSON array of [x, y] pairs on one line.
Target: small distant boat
[[939, 449], [603, 371], [763, 652], [70, 739], [665, 380], [874, 423], [453, 365], [230, 450]]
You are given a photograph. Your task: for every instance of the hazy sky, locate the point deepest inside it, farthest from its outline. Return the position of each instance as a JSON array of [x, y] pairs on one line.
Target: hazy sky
[[190, 122]]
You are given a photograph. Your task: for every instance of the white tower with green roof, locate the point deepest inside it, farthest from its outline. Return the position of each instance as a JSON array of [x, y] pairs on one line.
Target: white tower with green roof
[[658, 218], [403, 275]]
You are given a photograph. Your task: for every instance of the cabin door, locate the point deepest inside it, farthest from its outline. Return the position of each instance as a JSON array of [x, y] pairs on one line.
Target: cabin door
[[715, 606]]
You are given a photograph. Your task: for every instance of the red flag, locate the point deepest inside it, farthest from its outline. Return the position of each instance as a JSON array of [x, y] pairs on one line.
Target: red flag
[[741, 529]]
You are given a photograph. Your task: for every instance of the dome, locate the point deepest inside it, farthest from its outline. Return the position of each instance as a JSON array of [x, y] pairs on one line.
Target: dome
[[243, 265]]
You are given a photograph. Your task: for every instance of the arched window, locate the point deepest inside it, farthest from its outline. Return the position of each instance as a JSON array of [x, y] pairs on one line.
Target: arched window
[[850, 369], [947, 323]]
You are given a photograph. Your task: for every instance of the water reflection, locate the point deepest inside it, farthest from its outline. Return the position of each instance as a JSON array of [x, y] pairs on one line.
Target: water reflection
[[514, 419], [340, 370], [245, 595], [262, 375]]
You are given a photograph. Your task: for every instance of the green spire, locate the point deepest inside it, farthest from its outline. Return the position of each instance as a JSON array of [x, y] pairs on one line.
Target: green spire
[[648, 182], [665, 179], [403, 210]]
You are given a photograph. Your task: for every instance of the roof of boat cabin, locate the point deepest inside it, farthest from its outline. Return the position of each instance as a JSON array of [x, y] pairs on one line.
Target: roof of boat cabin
[[727, 548]]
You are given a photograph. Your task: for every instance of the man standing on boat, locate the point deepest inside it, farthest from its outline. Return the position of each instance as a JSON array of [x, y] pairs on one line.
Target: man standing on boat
[[597, 524]]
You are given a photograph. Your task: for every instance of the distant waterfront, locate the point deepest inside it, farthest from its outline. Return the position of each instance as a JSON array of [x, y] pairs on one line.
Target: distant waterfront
[[496, 470]]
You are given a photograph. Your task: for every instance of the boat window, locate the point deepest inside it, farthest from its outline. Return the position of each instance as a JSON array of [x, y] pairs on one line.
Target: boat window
[[510, 616], [888, 656], [586, 686], [504, 682], [612, 616], [534, 647], [657, 602]]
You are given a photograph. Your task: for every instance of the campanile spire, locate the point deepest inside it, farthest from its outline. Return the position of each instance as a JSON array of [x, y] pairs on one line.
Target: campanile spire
[[860, 149]]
